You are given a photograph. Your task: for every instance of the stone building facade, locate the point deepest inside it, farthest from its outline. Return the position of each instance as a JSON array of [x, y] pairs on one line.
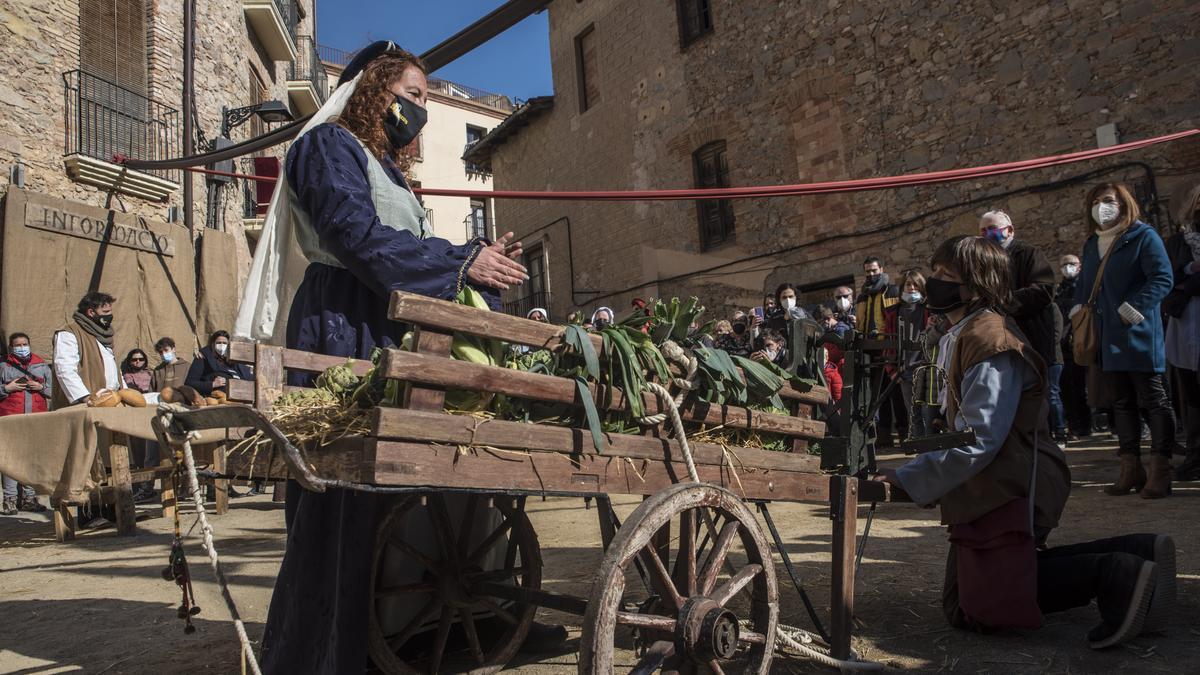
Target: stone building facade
[[81, 80], [754, 92]]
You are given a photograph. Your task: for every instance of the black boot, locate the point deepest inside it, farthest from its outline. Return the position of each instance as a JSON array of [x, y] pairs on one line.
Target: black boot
[[1123, 599], [1157, 548]]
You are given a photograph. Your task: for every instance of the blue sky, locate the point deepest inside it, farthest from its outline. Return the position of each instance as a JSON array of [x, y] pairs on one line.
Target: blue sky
[[516, 62]]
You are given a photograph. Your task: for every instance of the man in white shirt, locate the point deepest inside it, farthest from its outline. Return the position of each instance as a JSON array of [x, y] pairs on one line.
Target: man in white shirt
[[84, 361]]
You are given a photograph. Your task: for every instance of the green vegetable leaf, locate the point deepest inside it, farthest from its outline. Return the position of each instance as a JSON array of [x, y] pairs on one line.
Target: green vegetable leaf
[[589, 409]]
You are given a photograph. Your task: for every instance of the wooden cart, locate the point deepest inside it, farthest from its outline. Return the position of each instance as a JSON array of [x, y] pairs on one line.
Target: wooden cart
[[710, 588]]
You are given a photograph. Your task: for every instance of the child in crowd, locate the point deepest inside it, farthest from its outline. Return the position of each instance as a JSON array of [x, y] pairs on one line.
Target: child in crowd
[[1003, 494]]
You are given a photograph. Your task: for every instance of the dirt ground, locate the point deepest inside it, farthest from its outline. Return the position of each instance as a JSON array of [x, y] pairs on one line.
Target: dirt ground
[[98, 605]]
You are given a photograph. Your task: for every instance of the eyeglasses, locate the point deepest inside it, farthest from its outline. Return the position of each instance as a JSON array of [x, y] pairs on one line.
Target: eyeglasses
[[842, 297]]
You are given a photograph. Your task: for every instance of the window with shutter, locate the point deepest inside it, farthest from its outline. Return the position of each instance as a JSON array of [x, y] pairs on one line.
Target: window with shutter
[[715, 215], [112, 106], [586, 75]]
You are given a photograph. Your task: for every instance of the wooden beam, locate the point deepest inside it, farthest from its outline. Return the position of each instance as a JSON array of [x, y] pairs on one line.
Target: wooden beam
[[452, 374], [450, 316], [433, 427], [345, 459], [427, 465], [843, 505]]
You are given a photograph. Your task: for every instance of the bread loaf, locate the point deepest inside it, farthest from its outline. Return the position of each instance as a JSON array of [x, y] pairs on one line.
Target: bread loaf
[[132, 397], [104, 398]]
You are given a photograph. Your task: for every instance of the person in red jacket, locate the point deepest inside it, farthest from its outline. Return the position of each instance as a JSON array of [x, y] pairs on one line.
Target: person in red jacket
[[26, 390]]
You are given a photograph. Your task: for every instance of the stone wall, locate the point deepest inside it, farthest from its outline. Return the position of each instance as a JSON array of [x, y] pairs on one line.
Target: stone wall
[[833, 90], [39, 41]]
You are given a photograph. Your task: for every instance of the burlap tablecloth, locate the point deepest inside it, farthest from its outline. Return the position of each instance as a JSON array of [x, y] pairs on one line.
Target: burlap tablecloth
[[56, 452]]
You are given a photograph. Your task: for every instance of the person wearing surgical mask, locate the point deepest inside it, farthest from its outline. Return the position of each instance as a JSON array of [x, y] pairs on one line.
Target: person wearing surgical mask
[[910, 320], [27, 384], [1073, 381], [843, 305], [1131, 358], [213, 370], [1032, 286], [773, 349], [173, 368], [786, 310]]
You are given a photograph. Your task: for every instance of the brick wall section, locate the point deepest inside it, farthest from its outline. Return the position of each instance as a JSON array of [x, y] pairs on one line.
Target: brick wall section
[[40, 40], [824, 91]]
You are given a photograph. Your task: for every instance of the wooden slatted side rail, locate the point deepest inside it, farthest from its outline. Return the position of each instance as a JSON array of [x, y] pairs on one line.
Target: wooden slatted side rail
[[271, 366], [451, 374], [435, 427], [450, 316]]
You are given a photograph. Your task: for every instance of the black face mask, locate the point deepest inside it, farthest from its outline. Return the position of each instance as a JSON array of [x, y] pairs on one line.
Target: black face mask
[[104, 321], [403, 121], [739, 328], [943, 296], [601, 324]]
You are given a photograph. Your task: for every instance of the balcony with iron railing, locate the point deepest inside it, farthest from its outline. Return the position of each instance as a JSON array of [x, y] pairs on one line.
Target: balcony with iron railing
[[521, 306], [307, 82], [274, 23], [102, 121]]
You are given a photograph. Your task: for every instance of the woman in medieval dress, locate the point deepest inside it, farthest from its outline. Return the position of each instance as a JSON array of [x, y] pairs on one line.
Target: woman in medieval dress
[[344, 215]]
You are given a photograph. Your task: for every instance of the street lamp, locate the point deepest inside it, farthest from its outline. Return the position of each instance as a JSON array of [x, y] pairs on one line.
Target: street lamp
[[271, 112]]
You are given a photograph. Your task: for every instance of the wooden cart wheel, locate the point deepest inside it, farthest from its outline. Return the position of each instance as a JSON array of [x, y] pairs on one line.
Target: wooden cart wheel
[[466, 544], [688, 622]]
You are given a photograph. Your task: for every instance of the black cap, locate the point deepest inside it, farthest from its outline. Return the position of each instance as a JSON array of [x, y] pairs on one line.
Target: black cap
[[364, 56]]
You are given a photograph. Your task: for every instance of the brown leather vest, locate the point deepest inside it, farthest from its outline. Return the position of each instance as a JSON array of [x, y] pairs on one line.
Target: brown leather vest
[[91, 365], [1007, 477]]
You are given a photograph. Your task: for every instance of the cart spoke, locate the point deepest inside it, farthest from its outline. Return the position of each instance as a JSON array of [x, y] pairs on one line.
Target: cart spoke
[[468, 522], [487, 544], [659, 578], [397, 640], [505, 615], [637, 620], [732, 587], [752, 637], [685, 562], [715, 667], [496, 575], [653, 658], [468, 623], [406, 548], [712, 568], [439, 643], [441, 527], [404, 589]]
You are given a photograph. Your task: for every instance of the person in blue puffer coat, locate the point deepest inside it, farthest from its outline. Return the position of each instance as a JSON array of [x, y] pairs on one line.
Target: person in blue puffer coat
[[1132, 354]]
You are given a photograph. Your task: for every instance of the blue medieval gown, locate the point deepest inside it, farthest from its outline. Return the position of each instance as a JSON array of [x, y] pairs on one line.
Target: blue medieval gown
[[317, 622]]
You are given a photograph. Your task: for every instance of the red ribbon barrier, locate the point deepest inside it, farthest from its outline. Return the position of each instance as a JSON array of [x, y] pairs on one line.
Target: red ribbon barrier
[[801, 189]]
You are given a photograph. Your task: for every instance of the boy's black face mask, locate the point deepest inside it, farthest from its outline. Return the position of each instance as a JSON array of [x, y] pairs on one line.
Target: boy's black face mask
[[403, 121], [943, 296]]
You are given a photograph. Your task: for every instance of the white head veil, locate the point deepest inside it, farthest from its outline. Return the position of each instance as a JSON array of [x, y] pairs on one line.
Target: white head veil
[[279, 264]]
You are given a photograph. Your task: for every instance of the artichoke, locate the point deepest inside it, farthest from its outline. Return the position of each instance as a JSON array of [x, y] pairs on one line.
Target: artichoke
[[338, 380], [307, 397]]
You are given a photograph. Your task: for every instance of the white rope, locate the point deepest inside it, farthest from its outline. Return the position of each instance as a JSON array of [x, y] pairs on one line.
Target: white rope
[[690, 364], [166, 413], [787, 638]]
